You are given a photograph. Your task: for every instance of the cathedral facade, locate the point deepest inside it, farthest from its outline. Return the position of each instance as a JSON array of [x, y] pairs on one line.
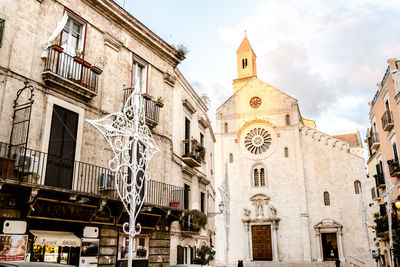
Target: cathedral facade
[[292, 194]]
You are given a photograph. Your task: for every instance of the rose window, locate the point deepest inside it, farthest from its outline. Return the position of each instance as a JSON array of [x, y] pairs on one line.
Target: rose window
[[258, 141], [255, 102]]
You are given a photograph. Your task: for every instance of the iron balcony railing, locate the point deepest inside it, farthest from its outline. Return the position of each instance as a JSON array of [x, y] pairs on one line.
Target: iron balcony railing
[[72, 68], [379, 179], [193, 153], [387, 120], [394, 168], [32, 167], [152, 108], [373, 140]]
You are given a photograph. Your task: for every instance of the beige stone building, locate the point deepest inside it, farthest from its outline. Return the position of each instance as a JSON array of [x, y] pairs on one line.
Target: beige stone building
[[293, 192], [383, 162], [80, 59]]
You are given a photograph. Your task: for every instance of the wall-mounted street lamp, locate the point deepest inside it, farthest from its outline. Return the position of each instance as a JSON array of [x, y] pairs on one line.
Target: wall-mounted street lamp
[[397, 203], [221, 207]]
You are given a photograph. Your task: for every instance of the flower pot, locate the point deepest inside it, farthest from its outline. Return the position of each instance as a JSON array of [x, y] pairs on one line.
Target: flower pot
[[174, 204], [57, 48], [78, 60], [87, 64], [160, 104], [146, 96], [96, 70]]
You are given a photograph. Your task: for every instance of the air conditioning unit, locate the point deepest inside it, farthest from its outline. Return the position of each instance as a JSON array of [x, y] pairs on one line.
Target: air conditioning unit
[[14, 227], [26, 163], [90, 231], [106, 182]]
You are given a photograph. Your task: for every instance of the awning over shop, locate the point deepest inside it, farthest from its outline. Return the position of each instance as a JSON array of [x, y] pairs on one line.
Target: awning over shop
[[56, 238]]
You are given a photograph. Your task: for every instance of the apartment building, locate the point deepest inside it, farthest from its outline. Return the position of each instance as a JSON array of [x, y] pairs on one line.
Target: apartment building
[[383, 163], [63, 62]]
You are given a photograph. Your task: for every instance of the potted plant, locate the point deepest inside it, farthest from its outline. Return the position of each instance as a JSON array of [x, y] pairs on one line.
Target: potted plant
[[96, 70], [87, 64], [146, 96], [204, 255], [195, 220], [78, 56], [181, 51], [57, 48], [159, 102]]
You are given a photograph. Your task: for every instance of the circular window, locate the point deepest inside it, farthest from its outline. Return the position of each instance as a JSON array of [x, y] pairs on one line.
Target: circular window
[[255, 102], [257, 141]]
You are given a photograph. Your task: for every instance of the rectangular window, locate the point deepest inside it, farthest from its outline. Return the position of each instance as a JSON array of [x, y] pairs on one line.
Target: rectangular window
[[202, 139], [187, 136], [202, 202], [382, 209], [140, 68], [186, 197], [2, 26], [395, 155], [373, 195], [73, 36]]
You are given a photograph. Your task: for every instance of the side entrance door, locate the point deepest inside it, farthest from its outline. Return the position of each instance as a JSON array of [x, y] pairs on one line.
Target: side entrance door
[[262, 243], [61, 155]]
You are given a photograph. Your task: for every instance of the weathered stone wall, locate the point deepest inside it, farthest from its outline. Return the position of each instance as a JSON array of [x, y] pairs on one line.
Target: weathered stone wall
[[108, 246]]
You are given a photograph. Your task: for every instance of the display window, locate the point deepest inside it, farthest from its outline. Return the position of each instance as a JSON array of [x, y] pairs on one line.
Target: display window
[[140, 250]]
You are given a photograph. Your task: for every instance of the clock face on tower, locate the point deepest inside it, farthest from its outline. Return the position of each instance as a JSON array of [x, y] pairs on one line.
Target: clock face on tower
[[258, 140], [255, 102]]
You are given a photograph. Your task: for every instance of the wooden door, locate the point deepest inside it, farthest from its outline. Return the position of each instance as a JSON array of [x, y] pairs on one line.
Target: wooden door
[[60, 161], [262, 243]]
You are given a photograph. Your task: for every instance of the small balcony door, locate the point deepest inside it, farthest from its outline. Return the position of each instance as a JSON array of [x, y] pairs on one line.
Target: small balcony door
[[187, 136], [62, 144]]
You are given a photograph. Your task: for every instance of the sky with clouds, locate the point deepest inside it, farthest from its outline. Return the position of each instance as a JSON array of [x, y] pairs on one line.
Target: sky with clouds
[[329, 54]]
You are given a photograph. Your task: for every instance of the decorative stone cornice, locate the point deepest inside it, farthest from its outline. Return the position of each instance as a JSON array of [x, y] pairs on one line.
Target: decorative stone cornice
[[188, 170], [169, 78], [203, 123], [186, 103], [112, 42]]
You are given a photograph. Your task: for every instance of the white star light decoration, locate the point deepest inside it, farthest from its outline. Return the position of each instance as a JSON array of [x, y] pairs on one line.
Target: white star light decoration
[[133, 146]]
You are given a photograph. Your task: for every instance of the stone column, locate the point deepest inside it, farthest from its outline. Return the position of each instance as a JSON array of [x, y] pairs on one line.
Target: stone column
[[247, 241], [340, 245], [108, 246], [275, 256], [319, 247]]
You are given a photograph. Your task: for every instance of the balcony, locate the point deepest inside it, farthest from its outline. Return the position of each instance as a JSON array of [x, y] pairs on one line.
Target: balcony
[[32, 168], [387, 121], [193, 153], [70, 74], [152, 108], [394, 168], [373, 140], [379, 180]]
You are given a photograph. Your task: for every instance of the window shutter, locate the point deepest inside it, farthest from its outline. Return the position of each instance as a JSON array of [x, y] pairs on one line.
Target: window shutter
[[180, 255]]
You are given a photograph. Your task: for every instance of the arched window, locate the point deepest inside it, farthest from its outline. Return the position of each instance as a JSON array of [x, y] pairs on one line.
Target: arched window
[[230, 157], [259, 176], [256, 177], [287, 119], [327, 201], [262, 177], [357, 187], [226, 127], [286, 152]]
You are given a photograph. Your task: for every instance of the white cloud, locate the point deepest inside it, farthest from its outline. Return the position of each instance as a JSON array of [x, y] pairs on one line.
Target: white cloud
[[337, 52]]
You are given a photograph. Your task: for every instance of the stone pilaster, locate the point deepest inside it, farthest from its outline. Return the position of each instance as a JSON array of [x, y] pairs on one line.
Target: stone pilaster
[[159, 249], [108, 247]]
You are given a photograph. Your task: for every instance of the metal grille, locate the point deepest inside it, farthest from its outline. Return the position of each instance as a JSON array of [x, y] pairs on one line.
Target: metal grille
[[2, 26]]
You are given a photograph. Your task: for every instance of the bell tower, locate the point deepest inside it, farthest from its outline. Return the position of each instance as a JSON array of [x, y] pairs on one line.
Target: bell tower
[[246, 60]]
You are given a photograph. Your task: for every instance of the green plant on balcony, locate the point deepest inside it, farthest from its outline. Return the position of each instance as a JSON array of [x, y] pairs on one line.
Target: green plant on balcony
[[160, 102], [194, 220], [204, 255]]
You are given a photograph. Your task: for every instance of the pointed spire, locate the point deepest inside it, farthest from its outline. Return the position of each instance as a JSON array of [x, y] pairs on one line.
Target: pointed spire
[[245, 45]]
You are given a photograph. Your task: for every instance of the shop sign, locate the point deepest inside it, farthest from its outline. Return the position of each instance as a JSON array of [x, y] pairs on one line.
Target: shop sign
[[104, 216], [13, 247], [61, 210]]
